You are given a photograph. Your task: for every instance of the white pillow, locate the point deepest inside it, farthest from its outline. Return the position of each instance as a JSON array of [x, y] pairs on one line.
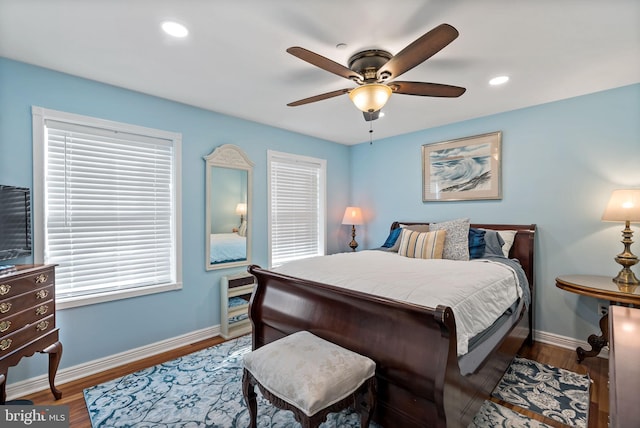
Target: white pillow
[[243, 228], [508, 237]]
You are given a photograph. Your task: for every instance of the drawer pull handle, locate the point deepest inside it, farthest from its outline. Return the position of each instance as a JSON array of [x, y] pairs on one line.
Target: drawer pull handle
[[41, 310], [5, 344], [4, 326], [42, 325], [4, 289], [41, 278], [42, 294], [5, 307]]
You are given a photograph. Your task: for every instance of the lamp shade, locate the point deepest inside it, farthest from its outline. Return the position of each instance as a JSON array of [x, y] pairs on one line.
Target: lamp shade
[[624, 205], [241, 209], [370, 97], [352, 215]]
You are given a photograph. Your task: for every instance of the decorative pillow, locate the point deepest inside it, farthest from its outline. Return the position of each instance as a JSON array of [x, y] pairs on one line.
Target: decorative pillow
[[416, 227], [456, 244], [476, 243], [422, 245]]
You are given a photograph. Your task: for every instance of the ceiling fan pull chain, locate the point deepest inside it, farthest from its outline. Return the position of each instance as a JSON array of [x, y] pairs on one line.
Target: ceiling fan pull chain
[[371, 133]]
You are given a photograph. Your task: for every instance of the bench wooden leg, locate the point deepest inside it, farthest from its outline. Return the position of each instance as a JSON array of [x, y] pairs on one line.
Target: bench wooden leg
[[366, 402], [250, 396]]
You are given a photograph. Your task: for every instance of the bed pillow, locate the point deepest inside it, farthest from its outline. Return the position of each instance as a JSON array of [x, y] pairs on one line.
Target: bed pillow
[[493, 243], [392, 238], [422, 245], [456, 243], [507, 236], [243, 228], [416, 227], [477, 243]]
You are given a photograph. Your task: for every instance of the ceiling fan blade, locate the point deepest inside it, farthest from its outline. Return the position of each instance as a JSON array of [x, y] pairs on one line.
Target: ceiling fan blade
[[318, 97], [369, 116], [420, 50], [324, 63], [427, 89]]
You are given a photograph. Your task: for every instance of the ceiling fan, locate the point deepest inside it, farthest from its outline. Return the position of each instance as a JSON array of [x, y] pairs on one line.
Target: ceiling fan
[[373, 71]]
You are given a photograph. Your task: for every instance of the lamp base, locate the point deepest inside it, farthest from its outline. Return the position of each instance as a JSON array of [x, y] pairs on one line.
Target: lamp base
[[353, 244], [627, 259], [626, 277]]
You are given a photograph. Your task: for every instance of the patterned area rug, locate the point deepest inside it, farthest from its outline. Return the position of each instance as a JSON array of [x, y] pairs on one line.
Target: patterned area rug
[[204, 389], [556, 393], [494, 415]]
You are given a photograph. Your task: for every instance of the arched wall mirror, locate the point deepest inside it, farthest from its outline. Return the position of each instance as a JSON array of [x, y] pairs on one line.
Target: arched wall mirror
[[228, 219]]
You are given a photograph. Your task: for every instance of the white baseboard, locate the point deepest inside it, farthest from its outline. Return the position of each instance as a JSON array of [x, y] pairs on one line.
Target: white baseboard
[[69, 374], [39, 383], [565, 342]]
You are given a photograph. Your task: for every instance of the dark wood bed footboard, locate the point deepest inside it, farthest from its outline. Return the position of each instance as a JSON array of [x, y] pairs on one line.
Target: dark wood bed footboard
[[414, 347], [410, 344]]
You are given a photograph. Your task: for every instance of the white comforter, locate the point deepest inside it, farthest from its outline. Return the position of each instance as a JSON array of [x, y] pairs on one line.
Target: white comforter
[[477, 291]]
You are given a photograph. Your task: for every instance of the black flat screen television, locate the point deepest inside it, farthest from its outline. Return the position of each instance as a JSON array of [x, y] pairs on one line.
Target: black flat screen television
[[15, 222]]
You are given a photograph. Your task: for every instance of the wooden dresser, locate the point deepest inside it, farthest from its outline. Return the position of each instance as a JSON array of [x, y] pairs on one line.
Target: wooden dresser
[[28, 320]]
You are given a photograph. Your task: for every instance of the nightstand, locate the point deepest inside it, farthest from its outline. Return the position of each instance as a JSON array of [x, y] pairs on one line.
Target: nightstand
[[235, 293], [599, 287]]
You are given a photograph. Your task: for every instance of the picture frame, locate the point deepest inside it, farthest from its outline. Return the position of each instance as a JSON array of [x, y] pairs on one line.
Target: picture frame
[[463, 169]]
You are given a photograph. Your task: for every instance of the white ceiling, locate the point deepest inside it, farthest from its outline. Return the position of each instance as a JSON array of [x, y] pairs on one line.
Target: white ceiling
[[234, 60]]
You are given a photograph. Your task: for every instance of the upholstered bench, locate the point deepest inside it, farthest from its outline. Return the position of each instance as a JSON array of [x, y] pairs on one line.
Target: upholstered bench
[[311, 377]]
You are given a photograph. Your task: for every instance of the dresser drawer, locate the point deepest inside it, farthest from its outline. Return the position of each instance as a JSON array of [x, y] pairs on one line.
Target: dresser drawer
[[15, 340], [36, 297], [28, 316], [10, 287]]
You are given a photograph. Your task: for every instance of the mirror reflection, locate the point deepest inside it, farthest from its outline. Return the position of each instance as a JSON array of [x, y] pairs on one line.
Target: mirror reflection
[[228, 207]]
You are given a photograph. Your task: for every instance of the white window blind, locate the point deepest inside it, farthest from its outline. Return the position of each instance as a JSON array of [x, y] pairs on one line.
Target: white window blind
[[297, 207], [109, 209]]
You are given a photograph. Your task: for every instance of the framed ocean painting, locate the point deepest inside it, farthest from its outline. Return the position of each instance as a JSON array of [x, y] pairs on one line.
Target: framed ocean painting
[[463, 169]]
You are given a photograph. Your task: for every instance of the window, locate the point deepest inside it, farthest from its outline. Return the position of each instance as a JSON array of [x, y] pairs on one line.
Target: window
[[106, 207], [297, 214]]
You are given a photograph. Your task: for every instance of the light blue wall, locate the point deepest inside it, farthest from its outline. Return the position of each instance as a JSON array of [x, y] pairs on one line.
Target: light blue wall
[[560, 163], [100, 330]]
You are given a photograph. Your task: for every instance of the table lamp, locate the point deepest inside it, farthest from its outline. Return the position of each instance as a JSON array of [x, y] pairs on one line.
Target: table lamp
[[624, 206], [241, 209], [352, 216]]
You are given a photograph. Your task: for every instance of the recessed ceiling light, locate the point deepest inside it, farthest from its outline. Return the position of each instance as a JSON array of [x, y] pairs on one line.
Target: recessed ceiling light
[[499, 80], [174, 29]]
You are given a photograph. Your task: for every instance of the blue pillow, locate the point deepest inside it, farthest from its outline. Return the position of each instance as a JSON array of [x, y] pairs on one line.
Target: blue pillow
[[392, 238], [477, 243]]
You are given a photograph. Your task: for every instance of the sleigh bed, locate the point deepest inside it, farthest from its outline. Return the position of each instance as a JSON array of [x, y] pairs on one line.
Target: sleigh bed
[[415, 347]]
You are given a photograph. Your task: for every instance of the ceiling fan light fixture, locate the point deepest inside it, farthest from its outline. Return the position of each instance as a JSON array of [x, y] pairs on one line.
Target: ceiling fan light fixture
[[370, 97]]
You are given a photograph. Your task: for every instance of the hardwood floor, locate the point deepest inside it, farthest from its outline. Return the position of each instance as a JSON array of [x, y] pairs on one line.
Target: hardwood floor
[[596, 368]]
